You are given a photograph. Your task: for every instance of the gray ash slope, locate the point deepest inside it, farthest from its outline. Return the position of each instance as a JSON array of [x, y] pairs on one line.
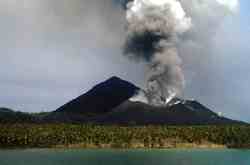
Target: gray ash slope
[[188, 113], [108, 103]]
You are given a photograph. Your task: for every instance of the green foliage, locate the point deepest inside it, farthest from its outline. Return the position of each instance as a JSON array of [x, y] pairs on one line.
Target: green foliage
[[51, 135]]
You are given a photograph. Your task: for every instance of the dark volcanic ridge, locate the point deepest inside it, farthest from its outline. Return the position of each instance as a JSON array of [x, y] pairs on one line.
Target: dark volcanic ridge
[[109, 103], [101, 98]]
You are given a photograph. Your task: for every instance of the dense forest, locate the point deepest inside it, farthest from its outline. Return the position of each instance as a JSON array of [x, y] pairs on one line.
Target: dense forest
[[93, 136]]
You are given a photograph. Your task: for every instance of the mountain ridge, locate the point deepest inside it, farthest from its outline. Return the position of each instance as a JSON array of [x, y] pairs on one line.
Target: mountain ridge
[[109, 102], [93, 101]]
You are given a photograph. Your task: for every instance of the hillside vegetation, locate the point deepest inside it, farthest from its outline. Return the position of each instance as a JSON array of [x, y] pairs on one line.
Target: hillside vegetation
[[93, 136]]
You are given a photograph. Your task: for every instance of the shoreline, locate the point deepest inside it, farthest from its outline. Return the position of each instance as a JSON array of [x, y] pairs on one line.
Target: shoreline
[[141, 146], [181, 146], [126, 147]]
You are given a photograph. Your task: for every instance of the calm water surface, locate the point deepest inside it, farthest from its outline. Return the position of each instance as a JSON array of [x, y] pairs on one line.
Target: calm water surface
[[124, 157]]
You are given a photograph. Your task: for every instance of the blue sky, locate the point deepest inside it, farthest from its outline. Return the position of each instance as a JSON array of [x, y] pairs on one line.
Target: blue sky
[[236, 65], [51, 53], [230, 76]]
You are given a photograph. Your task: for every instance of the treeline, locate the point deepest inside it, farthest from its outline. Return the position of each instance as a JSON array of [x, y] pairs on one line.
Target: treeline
[[87, 136]]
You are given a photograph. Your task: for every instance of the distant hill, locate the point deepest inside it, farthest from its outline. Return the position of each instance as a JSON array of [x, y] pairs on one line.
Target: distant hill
[[109, 103], [6, 110], [10, 116]]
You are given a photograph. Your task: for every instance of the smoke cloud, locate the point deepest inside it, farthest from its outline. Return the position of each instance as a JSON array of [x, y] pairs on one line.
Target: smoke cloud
[[163, 33]]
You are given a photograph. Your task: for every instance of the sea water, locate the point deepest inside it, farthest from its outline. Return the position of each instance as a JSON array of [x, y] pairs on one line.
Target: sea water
[[124, 157]]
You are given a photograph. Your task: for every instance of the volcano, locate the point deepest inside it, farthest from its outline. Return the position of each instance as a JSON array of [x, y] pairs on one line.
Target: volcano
[[110, 103], [101, 98], [117, 102]]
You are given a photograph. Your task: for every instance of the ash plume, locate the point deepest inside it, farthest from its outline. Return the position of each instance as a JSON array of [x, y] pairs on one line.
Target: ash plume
[[152, 32], [156, 29]]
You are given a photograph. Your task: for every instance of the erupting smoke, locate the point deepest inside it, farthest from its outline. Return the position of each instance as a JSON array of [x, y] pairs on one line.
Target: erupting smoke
[[154, 31]]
